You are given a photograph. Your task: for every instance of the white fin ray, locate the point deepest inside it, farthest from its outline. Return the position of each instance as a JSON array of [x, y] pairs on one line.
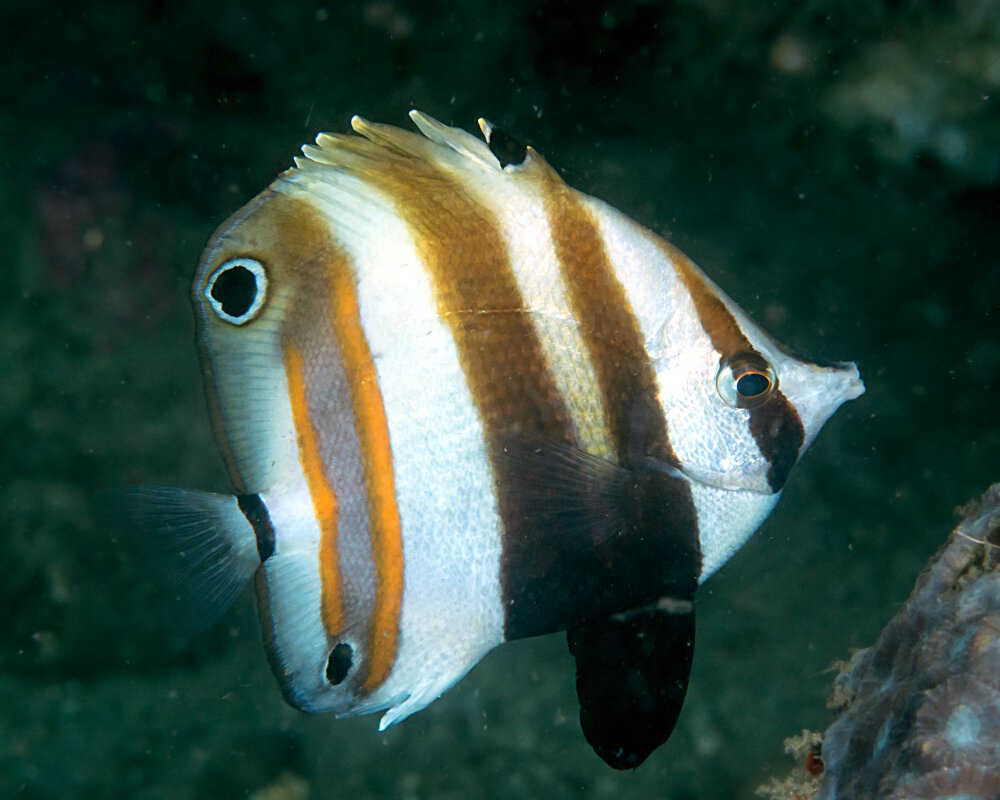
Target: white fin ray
[[200, 544], [452, 149], [432, 683], [457, 140], [390, 137], [486, 127], [418, 700], [345, 153]]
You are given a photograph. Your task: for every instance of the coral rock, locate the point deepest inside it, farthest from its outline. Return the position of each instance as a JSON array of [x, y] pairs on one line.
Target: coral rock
[[923, 720]]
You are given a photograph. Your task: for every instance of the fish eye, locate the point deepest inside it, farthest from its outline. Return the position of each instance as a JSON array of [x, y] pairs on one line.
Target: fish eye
[[745, 380], [237, 289], [339, 663]]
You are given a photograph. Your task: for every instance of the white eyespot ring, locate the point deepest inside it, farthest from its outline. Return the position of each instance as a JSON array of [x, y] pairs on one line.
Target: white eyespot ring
[[745, 380], [237, 290]]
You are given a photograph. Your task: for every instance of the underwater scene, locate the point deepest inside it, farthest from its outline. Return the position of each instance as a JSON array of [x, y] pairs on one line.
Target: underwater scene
[[834, 167]]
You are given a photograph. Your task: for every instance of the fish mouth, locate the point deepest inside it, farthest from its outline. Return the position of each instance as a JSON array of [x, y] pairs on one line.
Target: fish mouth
[[837, 385], [852, 386], [856, 388]]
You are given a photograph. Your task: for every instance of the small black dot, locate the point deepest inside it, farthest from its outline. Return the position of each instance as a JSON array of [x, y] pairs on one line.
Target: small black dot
[[339, 663], [752, 384], [235, 289]]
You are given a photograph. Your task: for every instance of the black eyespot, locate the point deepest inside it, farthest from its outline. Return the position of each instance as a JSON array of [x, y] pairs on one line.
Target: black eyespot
[[339, 663], [752, 384], [237, 289], [745, 380]]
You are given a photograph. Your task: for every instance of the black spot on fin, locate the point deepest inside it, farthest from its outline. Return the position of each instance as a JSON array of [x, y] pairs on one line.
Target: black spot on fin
[[198, 546], [631, 676], [506, 148]]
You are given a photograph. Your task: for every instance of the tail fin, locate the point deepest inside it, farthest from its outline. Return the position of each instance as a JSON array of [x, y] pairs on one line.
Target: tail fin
[[199, 545]]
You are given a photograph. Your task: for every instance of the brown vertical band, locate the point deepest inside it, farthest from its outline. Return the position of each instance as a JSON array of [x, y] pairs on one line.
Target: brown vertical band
[[775, 424], [610, 331], [478, 297], [602, 537]]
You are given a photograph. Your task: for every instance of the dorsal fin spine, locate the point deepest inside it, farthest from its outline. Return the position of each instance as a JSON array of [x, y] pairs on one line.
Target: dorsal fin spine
[[452, 148]]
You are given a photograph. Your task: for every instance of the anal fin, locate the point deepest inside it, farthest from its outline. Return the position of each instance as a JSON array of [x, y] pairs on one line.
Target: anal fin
[[631, 677]]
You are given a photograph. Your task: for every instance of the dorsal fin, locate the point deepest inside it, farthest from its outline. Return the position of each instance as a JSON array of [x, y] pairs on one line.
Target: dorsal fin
[[507, 149], [462, 142], [448, 147], [452, 149]]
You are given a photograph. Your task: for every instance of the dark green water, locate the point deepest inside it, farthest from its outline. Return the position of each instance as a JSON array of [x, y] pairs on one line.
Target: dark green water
[[834, 166]]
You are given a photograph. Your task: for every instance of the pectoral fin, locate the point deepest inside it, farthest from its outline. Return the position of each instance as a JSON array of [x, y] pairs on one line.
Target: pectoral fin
[[631, 676]]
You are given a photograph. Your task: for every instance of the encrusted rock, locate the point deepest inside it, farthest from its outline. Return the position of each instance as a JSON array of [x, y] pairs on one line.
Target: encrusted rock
[[924, 719]]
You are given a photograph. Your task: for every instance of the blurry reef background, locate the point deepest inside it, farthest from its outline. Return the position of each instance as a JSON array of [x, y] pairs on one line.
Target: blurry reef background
[[834, 165]]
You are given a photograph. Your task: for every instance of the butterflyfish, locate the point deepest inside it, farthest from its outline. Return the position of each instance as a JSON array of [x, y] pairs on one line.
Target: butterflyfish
[[461, 403]]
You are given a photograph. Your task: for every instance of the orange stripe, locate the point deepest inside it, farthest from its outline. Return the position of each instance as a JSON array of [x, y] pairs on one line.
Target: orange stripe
[[376, 455], [323, 498]]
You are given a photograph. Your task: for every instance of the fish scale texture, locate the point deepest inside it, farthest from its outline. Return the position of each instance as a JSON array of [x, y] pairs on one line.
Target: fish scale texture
[[921, 709]]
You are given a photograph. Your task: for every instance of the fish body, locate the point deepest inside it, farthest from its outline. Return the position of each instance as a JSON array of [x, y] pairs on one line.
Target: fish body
[[462, 403]]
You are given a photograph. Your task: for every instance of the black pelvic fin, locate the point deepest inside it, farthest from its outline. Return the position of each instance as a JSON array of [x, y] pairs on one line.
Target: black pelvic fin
[[506, 148], [631, 676]]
